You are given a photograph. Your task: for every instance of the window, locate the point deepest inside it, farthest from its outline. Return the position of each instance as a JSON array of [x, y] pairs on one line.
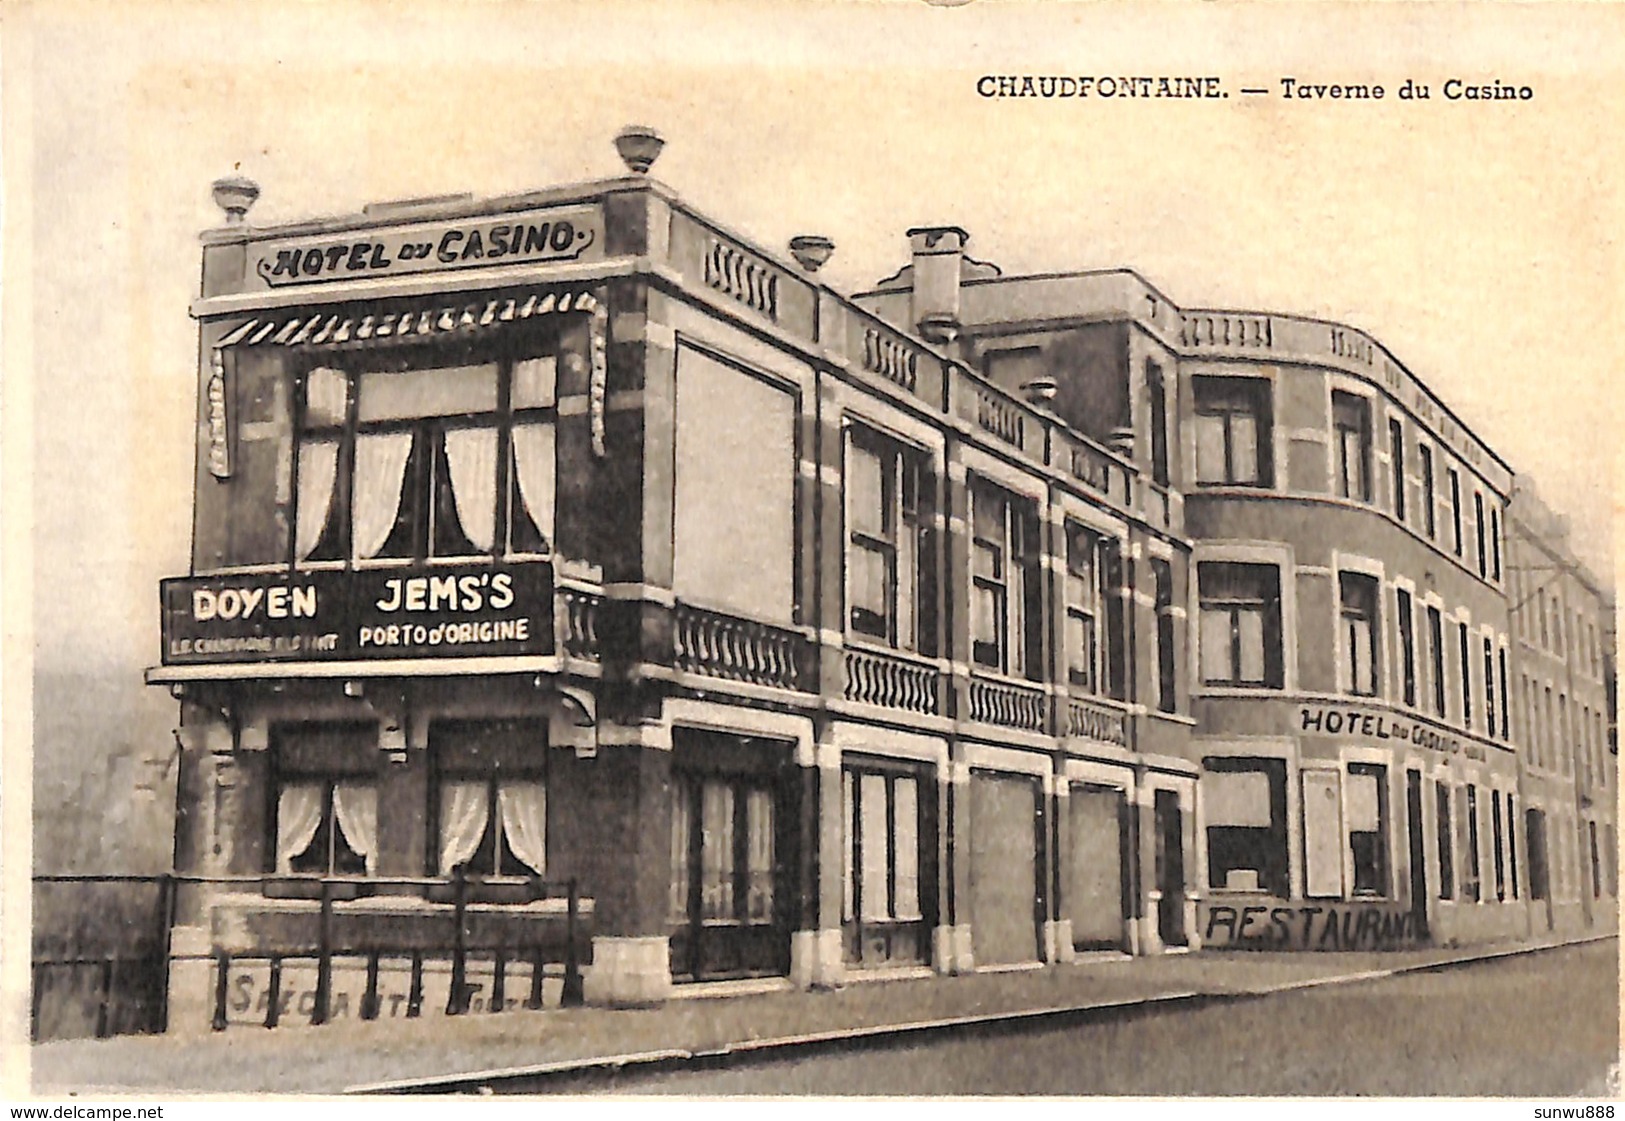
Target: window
[[406, 461], [1396, 464], [1495, 542], [1407, 646], [1506, 718], [326, 799], [1351, 432], [885, 825], [1436, 658], [1447, 842], [1430, 512], [1358, 609], [1082, 607], [1163, 578], [1499, 842], [1565, 746], [490, 797], [1466, 676], [1455, 511], [1366, 794], [1156, 392], [1489, 687], [723, 829], [1244, 805], [1233, 431], [884, 557], [1483, 546], [1512, 844], [1005, 616], [1470, 820], [1114, 604], [1545, 626], [1596, 861], [1240, 628]]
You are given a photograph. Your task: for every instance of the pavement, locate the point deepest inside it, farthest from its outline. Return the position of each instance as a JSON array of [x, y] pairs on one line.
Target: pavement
[[472, 1052]]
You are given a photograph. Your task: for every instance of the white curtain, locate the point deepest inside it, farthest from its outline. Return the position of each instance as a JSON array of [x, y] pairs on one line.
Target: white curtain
[[318, 465], [356, 807], [533, 464], [523, 807], [298, 816], [759, 856], [906, 831], [463, 811], [380, 467], [472, 455]]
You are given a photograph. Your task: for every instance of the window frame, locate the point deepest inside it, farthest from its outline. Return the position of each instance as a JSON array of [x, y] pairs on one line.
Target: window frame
[[518, 753], [901, 478], [1405, 625], [1232, 606], [1015, 650], [1222, 398], [1458, 543], [1396, 466], [1275, 877], [1351, 614], [1371, 853], [1351, 421], [1430, 501]]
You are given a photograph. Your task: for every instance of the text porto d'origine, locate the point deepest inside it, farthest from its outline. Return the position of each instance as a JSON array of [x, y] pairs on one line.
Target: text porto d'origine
[[546, 236]]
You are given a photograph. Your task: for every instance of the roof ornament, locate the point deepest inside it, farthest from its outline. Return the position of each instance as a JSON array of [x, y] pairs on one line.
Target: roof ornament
[[811, 250], [639, 146], [235, 194]]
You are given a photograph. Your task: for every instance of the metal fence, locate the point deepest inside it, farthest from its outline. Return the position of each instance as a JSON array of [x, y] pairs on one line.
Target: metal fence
[[102, 951]]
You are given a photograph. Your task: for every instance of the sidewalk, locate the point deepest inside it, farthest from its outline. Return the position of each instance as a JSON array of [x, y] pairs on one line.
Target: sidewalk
[[394, 1055]]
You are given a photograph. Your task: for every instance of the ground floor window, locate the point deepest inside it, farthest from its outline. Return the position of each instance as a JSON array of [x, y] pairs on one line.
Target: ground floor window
[[886, 826], [1244, 803], [1447, 841], [1366, 797], [1512, 844], [1499, 842], [490, 797], [325, 799], [1469, 839], [1596, 861]]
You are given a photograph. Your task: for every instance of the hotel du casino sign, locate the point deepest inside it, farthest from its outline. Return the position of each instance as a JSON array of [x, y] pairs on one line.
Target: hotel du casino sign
[[444, 611], [1378, 727]]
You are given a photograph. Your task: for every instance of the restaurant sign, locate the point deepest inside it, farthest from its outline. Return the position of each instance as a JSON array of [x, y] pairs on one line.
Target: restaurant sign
[[439, 612], [531, 237], [1276, 924], [1353, 721]]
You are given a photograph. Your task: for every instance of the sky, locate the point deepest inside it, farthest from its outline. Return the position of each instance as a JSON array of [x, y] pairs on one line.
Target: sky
[[1478, 241]]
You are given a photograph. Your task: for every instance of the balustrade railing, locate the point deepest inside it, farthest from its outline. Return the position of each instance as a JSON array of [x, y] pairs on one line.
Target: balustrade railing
[[735, 649], [576, 622], [1092, 721], [1007, 703], [894, 682]]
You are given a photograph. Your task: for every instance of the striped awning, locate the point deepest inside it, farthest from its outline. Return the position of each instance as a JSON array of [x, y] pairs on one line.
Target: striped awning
[[326, 329]]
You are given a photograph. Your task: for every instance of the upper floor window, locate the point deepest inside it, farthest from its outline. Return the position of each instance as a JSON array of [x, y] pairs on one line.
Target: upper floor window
[[1495, 542], [1430, 512], [1489, 686], [1436, 658], [1407, 644], [1006, 622], [1233, 431], [1156, 392], [1083, 596], [414, 462], [1466, 675], [1506, 704], [1351, 431], [883, 539], [1240, 628], [1162, 575], [1455, 512], [1396, 464], [1358, 611], [1483, 544]]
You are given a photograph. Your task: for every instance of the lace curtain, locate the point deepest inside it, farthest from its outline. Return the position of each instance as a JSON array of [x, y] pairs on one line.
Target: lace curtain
[[463, 818], [534, 466], [356, 807], [298, 816], [471, 454], [318, 466], [380, 468], [523, 809]]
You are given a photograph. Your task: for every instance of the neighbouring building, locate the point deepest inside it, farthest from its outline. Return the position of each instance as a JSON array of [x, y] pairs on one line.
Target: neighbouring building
[[1563, 701], [972, 622]]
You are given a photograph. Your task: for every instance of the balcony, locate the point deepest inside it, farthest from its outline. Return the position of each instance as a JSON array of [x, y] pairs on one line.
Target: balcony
[[891, 680], [712, 644], [1008, 703]]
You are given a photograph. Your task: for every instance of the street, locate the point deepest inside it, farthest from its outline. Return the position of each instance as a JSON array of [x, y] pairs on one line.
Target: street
[[1539, 1025]]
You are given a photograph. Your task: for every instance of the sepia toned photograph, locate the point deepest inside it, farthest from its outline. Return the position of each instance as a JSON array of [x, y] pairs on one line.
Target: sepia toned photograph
[[824, 550]]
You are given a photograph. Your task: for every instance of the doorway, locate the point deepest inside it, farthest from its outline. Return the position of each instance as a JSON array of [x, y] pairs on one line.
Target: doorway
[[1169, 826], [1418, 857]]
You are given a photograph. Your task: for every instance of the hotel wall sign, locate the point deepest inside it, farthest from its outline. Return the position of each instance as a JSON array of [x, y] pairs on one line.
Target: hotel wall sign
[[566, 234], [1355, 722], [440, 612]]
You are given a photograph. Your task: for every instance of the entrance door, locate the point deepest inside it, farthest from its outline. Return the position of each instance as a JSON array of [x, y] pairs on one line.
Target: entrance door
[[1094, 896], [1535, 856], [1418, 856], [729, 897], [1170, 868], [1004, 868]]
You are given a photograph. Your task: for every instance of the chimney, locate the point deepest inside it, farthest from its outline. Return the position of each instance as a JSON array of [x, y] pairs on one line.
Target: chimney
[[938, 253]]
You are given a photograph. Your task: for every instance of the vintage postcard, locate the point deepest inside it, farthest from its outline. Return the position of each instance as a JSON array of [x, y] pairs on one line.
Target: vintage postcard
[[838, 549]]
